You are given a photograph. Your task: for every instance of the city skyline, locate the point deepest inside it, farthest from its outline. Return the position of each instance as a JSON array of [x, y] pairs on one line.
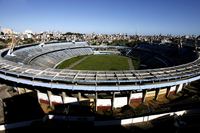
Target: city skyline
[[177, 17]]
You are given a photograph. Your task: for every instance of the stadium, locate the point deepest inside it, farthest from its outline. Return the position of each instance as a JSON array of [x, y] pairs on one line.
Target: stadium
[[151, 71]]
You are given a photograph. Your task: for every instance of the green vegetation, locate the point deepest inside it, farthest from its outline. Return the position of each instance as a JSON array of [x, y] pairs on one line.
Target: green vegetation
[[2, 44], [28, 41], [6, 41], [99, 62], [136, 63], [122, 42], [103, 62], [69, 62]]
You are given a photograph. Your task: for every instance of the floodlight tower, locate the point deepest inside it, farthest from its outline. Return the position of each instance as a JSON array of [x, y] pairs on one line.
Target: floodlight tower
[[43, 39], [180, 45], [74, 39], [12, 44], [195, 43]]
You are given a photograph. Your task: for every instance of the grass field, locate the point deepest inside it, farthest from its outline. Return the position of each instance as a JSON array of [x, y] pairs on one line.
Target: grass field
[[67, 63], [98, 62], [136, 63]]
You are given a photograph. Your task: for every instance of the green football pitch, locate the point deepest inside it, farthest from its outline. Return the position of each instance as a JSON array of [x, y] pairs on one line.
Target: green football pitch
[[99, 62]]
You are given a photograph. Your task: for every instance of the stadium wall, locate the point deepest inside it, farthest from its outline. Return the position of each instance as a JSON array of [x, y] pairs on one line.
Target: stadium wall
[[107, 103]]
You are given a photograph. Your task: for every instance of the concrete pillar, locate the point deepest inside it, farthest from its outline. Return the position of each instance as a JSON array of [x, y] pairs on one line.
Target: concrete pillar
[[185, 84], [63, 95], [27, 90], [167, 92], [176, 90], [21, 90], [95, 104], [144, 92], [129, 98], [180, 88], [37, 95], [49, 93], [113, 99], [18, 90], [79, 96], [156, 94]]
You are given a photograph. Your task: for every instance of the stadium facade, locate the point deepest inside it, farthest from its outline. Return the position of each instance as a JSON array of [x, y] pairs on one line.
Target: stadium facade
[[32, 67]]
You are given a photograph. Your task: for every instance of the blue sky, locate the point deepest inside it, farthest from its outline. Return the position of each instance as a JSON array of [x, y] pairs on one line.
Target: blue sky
[[102, 16]]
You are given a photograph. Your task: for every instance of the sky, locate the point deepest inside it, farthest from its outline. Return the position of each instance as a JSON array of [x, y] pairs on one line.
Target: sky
[[176, 17]]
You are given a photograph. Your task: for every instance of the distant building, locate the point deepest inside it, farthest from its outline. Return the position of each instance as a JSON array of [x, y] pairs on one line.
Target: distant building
[[28, 33], [166, 41], [7, 31]]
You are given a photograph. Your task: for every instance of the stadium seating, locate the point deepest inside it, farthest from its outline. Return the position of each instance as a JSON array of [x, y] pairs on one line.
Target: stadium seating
[[49, 55]]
